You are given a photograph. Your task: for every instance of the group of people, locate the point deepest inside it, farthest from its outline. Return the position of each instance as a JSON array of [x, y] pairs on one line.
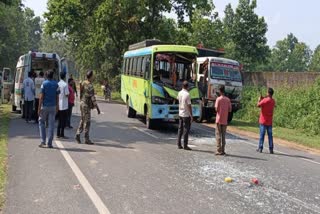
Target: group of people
[[223, 107], [44, 99]]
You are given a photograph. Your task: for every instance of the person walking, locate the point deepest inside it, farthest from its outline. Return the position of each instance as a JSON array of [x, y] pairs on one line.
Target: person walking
[[266, 104], [71, 99], [63, 105], [185, 116], [74, 85], [38, 83], [222, 107], [48, 107], [88, 102], [28, 94]]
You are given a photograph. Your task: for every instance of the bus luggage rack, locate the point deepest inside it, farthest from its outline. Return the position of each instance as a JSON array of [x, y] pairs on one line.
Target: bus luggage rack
[[146, 43]]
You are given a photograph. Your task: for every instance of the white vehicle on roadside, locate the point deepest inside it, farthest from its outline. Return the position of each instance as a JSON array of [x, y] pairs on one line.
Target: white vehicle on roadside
[[36, 62]]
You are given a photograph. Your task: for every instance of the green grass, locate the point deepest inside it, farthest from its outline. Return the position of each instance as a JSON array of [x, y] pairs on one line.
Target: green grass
[[115, 95], [4, 128], [292, 135]]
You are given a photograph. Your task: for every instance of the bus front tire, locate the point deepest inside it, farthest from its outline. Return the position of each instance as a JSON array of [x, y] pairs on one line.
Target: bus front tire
[[150, 123], [14, 108], [230, 116]]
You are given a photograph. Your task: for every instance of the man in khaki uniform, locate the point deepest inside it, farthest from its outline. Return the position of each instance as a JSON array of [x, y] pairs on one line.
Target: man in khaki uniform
[[88, 102]]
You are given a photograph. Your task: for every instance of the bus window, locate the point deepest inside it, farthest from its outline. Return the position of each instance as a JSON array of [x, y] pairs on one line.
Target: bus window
[[139, 70], [146, 67], [123, 70], [135, 62], [130, 66], [127, 66]]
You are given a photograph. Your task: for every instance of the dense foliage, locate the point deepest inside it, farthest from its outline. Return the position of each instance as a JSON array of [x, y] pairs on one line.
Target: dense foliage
[[295, 108], [20, 32]]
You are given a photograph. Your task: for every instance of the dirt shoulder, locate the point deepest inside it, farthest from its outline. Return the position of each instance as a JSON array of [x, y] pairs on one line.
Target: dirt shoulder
[[278, 141]]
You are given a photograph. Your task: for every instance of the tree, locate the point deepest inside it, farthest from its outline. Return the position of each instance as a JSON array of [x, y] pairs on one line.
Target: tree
[[315, 61], [290, 55], [245, 34]]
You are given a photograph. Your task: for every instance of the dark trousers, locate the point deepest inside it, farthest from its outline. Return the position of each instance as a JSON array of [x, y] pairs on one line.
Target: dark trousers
[[184, 128], [36, 106], [62, 122], [28, 107], [70, 106]]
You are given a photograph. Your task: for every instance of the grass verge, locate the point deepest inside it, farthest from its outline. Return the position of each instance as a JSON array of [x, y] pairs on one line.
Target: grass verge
[[4, 128], [292, 135]]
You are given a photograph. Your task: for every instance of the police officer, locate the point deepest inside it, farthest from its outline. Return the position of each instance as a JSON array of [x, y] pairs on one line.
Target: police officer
[[88, 102]]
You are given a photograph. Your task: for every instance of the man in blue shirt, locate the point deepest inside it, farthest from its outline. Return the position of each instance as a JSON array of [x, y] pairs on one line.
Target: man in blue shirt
[[48, 107]]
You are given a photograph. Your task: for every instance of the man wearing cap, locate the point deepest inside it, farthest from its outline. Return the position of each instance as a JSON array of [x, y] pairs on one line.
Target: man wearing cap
[[88, 102]]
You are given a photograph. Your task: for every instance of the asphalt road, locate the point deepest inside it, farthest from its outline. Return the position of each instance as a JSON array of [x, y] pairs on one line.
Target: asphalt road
[[134, 170]]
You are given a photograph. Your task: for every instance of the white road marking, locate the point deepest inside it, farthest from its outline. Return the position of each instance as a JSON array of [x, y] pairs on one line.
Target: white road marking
[[145, 132], [96, 200]]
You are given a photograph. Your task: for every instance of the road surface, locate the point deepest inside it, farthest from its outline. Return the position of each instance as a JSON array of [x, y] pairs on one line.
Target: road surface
[[134, 170]]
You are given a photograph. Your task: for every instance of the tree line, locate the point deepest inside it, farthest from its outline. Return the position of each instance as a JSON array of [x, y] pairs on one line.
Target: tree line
[[95, 33], [20, 31]]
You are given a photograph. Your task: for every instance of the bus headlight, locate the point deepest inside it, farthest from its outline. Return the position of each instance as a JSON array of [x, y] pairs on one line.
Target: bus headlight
[[159, 100]]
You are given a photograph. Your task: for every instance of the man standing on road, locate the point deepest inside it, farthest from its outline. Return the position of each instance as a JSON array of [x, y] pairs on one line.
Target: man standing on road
[[63, 105], [185, 116], [74, 85], [223, 107], [38, 82], [88, 102], [71, 99], [28, 93], [48, 107], [267, 105]]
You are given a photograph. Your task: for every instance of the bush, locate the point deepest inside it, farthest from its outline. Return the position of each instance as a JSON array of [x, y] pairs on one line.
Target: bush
[[296, 108]]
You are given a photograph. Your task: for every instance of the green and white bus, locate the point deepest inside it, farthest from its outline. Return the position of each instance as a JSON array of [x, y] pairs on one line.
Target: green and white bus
[[152, 77]]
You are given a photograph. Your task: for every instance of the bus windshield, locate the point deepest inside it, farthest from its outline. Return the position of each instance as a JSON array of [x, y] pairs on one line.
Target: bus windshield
[[225, 72], [171, 69]]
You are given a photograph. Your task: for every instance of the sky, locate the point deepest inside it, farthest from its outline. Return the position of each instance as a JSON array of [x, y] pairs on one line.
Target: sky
[[282, 16]]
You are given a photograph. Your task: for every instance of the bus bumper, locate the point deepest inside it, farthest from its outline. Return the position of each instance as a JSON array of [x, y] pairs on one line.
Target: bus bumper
[[171, 112]]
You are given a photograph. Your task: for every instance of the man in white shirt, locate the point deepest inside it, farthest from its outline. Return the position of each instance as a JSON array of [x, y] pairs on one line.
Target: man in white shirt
[[28, 94], [185, 116], [63, 105], [38, 82]]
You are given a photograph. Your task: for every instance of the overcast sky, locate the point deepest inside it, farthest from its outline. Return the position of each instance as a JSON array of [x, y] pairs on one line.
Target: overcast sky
[[282, 16]]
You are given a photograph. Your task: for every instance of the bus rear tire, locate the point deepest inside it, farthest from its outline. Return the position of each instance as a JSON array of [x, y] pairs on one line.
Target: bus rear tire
[[131, 113]]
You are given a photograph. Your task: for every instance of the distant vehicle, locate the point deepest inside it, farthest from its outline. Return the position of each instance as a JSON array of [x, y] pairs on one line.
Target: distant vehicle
[[215, 71], [36, 62], [152, 76], [6, 84]]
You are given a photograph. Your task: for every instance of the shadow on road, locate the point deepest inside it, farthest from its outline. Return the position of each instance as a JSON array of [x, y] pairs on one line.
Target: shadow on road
[[293, 156]]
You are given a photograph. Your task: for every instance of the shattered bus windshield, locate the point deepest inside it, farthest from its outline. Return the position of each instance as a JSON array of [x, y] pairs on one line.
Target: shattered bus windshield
[[171, 69]]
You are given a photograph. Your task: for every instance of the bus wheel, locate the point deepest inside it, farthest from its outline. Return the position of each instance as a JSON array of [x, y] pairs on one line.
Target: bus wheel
[[230, 116], [131, 113], [202, 115], [14, 108], [150, 123]]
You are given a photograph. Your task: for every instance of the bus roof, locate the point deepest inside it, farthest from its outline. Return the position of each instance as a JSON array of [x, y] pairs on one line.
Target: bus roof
[[36, 55], [160, 48], [219, 60]]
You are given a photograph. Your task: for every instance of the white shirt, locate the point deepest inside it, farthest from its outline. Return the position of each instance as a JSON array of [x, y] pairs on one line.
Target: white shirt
[[28, 88], [38, 82], [184, 101], [63, 96]]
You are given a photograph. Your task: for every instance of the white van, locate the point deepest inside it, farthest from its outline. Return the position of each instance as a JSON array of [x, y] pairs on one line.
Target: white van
[[215, 71], [36, 62]]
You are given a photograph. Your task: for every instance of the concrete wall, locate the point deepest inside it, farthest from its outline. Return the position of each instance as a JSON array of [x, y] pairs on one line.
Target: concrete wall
[[276, 79]]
